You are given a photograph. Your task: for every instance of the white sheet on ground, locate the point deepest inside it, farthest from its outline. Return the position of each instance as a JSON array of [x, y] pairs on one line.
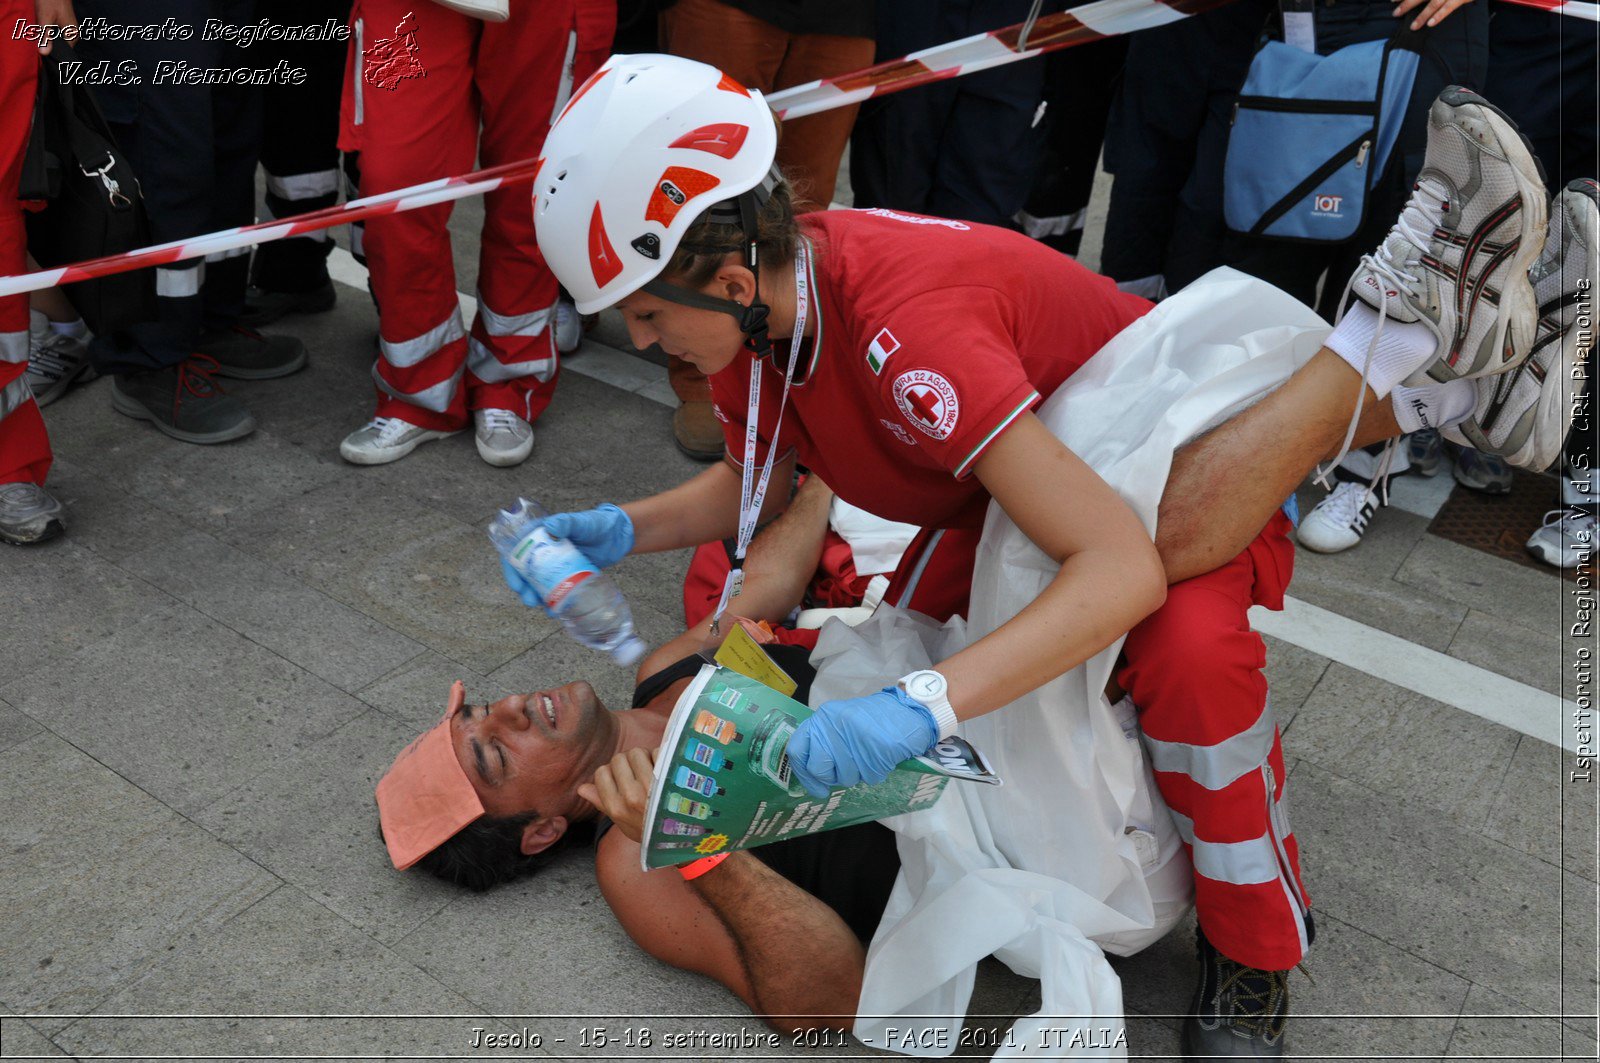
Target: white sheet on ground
[[1076, 854]]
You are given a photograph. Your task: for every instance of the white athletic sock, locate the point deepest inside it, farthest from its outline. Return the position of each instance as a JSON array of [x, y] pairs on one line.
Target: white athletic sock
[[1433, 405], [1403, 347], [76, 329]]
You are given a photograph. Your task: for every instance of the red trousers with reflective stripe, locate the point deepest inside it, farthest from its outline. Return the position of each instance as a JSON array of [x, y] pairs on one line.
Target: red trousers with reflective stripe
[[431, 93], [1194, 669], [24, 447]]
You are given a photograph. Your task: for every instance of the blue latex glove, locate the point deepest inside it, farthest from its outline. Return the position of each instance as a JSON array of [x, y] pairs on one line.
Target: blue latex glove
[[604, 534], [859, 740], [522, 588]]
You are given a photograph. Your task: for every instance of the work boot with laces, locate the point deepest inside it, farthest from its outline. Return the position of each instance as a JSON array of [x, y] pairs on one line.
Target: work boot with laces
[[183, 401], [1238, 1012], [245, 354]]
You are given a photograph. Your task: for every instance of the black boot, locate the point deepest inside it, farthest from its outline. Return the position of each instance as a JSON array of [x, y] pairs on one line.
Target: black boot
[[1238, 1012]]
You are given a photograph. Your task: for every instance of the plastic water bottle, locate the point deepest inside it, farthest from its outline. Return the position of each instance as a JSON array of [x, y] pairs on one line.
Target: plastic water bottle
[[577, 593]]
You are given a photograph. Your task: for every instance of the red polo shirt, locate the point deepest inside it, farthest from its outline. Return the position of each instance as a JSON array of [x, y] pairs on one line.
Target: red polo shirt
[[932, 338]]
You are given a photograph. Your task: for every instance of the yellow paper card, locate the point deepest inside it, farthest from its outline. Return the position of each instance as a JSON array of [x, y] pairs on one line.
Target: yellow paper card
[[744, 655]]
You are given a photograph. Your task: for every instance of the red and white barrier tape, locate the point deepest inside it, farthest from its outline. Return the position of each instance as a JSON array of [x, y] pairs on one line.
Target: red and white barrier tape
[[984, 51], [423, 195], [1571, 8]]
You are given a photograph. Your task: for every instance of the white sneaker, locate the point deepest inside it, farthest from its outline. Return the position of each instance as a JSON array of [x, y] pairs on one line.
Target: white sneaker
[[1338, 521], [55, 361], [569, 327], [1566, 539], [1525, 415], [503, 437], [385, 439], [1457, 259]]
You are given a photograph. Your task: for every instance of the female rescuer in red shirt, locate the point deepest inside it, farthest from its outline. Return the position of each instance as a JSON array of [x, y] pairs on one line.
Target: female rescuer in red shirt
[[899, 358]]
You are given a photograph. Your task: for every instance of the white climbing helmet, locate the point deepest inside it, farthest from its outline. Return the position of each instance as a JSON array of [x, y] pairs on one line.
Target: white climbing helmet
[[644, 149]]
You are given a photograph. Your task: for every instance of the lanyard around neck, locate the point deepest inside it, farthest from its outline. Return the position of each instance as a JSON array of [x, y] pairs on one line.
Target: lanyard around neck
[[753, 489]]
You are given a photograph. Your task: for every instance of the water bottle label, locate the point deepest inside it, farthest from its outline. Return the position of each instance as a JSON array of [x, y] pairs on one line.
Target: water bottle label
[[554, 567]]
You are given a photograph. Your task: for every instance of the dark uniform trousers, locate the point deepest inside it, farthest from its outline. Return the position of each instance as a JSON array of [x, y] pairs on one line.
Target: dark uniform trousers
[[193, 147]]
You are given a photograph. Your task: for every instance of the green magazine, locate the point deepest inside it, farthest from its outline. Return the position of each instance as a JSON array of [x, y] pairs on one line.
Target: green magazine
[[723, 782]]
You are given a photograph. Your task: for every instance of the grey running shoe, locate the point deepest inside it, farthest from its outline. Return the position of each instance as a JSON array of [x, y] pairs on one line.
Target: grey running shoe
[[1238, 1012], [183, 402], [503, 438], [263, 307], [245, 354], [1425, 451], [1482, 471], [28, 514], [1457, 259], [1566, 539], [385, 439], [55, 361], [1525, 415]]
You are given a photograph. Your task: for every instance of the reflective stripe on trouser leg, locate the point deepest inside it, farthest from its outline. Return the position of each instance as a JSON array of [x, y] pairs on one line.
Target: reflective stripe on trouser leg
[[419, 379], [14, 390], [1194, 669], [403, 354], [1218, 765], [1264, 865], [512, 360], [525, 70], [13, 395], [302, 186], [180, 282], [24, 446], [14, 348]]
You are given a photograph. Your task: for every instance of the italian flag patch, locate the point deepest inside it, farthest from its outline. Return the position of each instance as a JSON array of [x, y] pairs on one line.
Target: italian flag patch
[[878, 351]]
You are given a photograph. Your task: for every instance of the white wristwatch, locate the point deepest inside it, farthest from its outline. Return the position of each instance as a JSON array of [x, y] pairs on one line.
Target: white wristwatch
[[932, 690]]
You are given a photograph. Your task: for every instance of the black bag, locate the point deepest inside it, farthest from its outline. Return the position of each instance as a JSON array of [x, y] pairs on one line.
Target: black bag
[[93, 206]]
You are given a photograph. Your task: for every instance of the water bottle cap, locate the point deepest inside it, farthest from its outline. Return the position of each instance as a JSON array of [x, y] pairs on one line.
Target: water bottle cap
[[630, 652]]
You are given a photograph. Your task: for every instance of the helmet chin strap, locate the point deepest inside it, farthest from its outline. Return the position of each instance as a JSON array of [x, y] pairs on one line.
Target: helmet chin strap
[[752, 319]]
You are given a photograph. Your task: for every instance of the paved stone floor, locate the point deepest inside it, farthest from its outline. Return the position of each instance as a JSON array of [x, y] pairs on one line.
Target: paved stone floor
[[204, 679]]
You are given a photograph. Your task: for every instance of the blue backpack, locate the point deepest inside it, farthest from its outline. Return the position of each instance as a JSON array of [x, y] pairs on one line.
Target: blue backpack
[[1311, 134]]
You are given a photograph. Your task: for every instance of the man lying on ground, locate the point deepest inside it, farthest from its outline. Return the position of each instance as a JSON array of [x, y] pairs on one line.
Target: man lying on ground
[[489, 793]]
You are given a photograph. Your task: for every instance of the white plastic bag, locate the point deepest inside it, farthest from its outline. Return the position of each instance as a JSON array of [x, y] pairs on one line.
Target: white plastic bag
[[1044, 872]]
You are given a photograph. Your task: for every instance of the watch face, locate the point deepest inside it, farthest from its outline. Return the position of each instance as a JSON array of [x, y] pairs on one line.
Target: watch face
[[925, 686]]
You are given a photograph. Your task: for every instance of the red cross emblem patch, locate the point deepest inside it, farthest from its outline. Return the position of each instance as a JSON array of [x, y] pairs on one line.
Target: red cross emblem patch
[[928, 401]]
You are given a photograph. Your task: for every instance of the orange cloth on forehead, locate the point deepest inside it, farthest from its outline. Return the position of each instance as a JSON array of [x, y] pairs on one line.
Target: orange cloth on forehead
[[425, 797]]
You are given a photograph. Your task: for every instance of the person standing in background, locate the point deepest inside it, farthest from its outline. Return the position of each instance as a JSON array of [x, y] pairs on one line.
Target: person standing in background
[[1455, 51], [28, 513], [194, 148], [963, 148], [768, 45], [1079, 83], [430, 93], [300, 154], [1164, 224]]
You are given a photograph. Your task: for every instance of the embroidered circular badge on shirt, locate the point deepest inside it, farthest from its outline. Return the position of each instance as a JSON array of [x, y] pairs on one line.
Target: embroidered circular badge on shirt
[[929, 402]]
